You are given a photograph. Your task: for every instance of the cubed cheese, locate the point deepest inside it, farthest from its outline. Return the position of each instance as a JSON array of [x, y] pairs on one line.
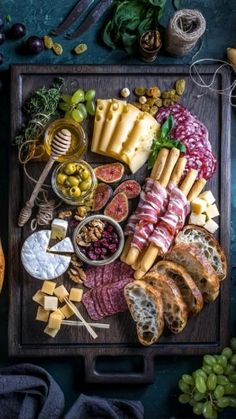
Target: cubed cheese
[[51, 332], [211, 226], [55, 320], [66, 310], [208, 197], [197, 219], [59, 313], [61, 292], [38, 297], [59, 229], [199, 205], [48, 287], [76, 294], [212, 211], [42, 315], [50, 303]]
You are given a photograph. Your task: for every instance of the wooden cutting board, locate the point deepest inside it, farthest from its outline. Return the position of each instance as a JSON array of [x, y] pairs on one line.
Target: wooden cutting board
[[206, 332]]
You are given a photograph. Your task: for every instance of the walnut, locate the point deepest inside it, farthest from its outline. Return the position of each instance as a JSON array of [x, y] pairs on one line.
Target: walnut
[[64, 214]]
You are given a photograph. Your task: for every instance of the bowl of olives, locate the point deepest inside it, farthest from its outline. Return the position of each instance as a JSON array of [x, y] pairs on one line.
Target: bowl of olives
[[74, 181]]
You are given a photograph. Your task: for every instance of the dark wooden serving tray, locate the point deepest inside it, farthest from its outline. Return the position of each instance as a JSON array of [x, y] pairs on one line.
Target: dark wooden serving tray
[[206, 332]]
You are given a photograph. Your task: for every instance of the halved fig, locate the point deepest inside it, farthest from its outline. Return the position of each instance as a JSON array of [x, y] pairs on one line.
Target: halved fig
[[101, 196], [131, 188], [118, 208], [110, 173]]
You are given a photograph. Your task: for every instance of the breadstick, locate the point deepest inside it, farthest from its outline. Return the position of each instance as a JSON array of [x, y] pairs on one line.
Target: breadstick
[[136, 264], [159, 163], [188, 182], [126, 248], [178, 171], [163, 180], [196, 189]]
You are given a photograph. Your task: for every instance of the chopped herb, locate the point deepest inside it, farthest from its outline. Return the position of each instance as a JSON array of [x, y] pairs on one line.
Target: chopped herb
[[164, 140], [8, 18]]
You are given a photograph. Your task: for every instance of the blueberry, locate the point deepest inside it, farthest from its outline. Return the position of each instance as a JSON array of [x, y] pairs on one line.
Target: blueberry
[[17, 31], [34, 44]]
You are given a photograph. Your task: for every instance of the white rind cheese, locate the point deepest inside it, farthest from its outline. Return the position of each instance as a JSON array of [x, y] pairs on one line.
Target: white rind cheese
[[59, 229], [65, 246], [38, 262]]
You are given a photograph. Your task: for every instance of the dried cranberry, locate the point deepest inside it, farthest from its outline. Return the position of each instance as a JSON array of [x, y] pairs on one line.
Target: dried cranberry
[[109, 228], [104, 250], [106, 234], [98, 251], [92, 255]]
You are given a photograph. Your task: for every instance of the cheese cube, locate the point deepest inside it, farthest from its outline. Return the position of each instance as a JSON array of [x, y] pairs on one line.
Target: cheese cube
[[58, 312], [48, 287], [61, 292], [50, 303], [42, 315], [212, 211], [208, 197], [211, 226], [51, 332], [76, 294], [199, 206], [59, 229], [55, 320], [38, 297], [66, 310], [197, 219]]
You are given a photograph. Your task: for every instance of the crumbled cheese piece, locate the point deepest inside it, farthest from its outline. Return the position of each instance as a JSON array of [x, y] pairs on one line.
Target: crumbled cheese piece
[[55, 320], [59, 229], [211, 226], [212, 211], [42, 315], [66, 310], [199, 206], [48, 287], [61, 292], [50, 303], [197, 219], [51, 332], [76, 294], [208, 197], [38, 297]]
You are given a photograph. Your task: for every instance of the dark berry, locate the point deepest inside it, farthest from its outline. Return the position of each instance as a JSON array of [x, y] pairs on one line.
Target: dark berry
[[2, 37], [17, 31], [35, 44], [1, 58]]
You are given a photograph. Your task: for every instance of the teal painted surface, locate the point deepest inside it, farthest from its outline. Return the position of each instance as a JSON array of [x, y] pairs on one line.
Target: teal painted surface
[[160, 398]]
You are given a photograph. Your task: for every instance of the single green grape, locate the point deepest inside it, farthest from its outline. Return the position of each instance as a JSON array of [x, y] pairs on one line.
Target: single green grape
[[233, 360], [197, 396], [227, 352], [222, 379], [211, 381], [233, 343], [184, 387], [184, 398], [68, 115], [209, 360], [77, 97], [218, 369], [214, 413], [207, 410], [91, 107], [192, 402], [82, 108], [232, 378], [229, 369], [223, 360], [230, 388], [198, 408], [188, 379], [200, 384], [90, 95], [77, 115], [223, 402], [66, 98], [219, 391], [202, 373], [232, 401], [64, 106], [207, 369]]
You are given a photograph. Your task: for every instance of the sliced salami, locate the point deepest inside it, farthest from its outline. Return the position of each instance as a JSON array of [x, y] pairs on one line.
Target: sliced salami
[[89, 304], [90, 277]]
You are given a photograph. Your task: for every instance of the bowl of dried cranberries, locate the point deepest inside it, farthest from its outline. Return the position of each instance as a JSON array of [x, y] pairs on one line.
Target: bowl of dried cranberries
[[98, 240]]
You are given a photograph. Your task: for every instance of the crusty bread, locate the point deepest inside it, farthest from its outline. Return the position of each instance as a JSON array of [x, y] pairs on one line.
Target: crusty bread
[[190, 292], [2, 266], [146, 308], [198, 266], [208, 244], [175, 309]]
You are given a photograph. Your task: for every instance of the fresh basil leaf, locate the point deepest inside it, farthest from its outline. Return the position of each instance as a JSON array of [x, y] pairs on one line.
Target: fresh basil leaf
[[167, 127], [179, 145]]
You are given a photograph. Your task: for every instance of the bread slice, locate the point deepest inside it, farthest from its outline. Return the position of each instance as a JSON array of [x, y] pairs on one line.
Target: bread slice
[[209, 246], [198, 266], [190, 292], [146, 308], [175, 309]]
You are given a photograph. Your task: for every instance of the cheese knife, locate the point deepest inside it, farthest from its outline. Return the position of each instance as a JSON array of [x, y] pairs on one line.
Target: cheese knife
[[75, 13]]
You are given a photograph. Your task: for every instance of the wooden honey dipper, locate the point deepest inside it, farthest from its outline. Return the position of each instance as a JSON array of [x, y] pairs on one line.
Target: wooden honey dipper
[[59, 146]]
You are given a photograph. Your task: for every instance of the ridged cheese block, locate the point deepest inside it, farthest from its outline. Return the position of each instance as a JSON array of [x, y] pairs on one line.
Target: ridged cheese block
[[38, 262], [100, 117], [113, 115]]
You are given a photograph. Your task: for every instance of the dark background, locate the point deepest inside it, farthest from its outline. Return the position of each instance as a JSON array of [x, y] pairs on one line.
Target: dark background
[[160, 398]]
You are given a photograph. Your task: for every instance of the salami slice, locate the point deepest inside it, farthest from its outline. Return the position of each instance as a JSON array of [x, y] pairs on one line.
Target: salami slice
[[89, 304], [90, 277]]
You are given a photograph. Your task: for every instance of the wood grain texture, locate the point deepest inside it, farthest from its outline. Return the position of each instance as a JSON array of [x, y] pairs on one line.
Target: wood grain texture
[[205, 333]]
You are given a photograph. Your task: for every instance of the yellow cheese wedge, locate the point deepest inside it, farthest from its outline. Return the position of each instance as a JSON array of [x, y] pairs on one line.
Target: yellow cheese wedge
[[212, 211], [197, 219], [199, 205], [112, 118], [100, 117], [211, 226], [124, 126], [208, 197]]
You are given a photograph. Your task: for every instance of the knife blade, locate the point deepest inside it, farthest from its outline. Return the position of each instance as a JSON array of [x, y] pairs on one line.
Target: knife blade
[[91, 18], [77, 10]]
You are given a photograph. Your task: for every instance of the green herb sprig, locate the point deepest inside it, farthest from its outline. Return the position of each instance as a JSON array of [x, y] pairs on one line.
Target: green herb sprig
[[163, 140]]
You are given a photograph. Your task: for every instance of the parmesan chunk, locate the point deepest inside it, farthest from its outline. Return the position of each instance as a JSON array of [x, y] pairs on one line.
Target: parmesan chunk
[[38, 297], [208, 197], [76, 294], [55, 320], [51, 332], [199, 205], [61, 292], [66, 311], [197, 219], [212, 211], [50, 303], [48, 287], [211, 226], [42, 315]]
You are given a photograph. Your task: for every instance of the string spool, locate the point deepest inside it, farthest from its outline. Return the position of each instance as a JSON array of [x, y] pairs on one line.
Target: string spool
[[184, 29]]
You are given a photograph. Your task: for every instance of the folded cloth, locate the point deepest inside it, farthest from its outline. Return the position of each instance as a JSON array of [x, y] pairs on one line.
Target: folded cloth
[[87, 407], [29, 392]]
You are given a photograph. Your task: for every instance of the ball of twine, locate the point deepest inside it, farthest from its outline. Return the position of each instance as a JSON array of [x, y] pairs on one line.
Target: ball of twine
[[183, 31]]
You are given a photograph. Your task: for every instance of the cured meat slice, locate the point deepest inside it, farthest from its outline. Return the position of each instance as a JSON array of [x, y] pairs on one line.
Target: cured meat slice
[[89, 304], [90, 277], [116, 295]]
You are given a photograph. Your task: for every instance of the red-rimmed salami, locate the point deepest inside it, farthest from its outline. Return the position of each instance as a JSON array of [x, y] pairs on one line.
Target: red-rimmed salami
[[89, 304]]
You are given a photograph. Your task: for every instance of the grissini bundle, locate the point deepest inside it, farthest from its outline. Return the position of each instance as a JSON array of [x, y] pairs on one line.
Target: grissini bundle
[[190, 190], [167, 168]]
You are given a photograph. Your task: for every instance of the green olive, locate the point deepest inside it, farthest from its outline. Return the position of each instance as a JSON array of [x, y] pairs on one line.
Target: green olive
[[70, 168], [75, 192], [73, 181], [64, 190], [85, 185], [85, 174], [61, 178]]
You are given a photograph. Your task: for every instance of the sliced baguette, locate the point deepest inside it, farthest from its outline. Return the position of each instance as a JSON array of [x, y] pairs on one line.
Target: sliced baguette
[[198, 266], [209, 246], [146, 308], [175, 309], [190, 292]]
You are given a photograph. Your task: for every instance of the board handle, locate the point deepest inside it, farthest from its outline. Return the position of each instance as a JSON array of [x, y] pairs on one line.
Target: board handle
[[92, 375]]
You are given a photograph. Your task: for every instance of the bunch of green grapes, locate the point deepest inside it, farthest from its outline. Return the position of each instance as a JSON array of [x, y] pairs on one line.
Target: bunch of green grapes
[[211, 388], [78, 105]]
